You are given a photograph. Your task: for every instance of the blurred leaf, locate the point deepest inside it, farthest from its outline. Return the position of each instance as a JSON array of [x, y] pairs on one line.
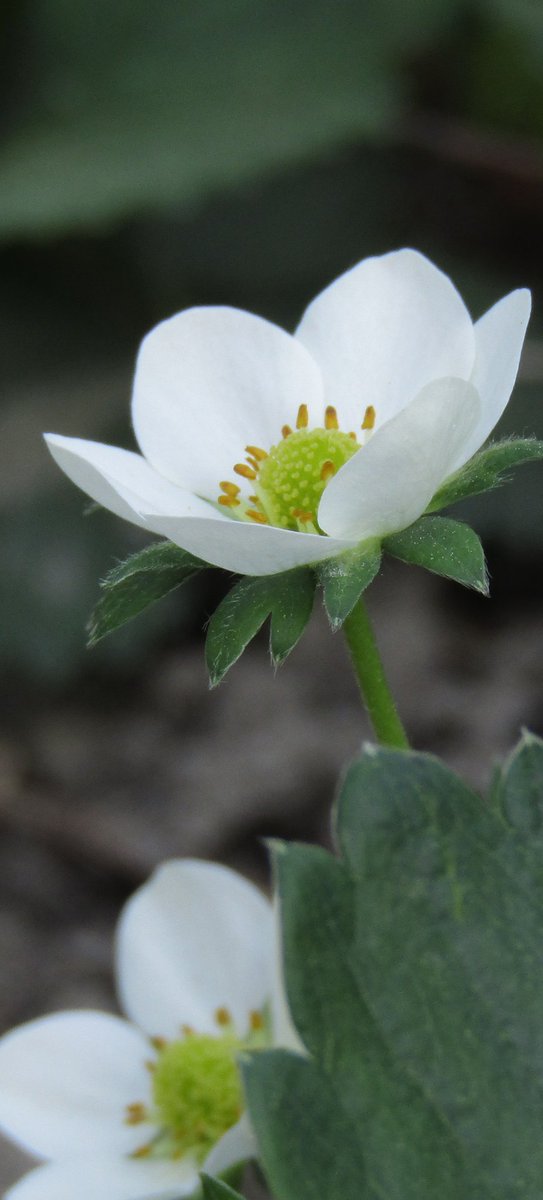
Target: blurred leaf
[[345, 577], [445, 547], [137, 582], [287, 597], [136, 105]]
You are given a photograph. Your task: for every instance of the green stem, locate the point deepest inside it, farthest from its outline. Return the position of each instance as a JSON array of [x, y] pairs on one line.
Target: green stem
[[371, 678]]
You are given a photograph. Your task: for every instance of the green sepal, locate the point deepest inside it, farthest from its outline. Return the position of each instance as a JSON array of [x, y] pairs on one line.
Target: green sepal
[[345, 577], [138, 582], [286, 597], [443, 546], [217, 1189], [487, 469]]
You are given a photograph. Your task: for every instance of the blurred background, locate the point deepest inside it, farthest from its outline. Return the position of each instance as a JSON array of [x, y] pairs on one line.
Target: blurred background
[[154, 156]]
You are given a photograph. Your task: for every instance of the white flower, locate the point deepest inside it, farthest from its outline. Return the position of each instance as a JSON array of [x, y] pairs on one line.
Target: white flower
[[107, 1100], [386, 364]]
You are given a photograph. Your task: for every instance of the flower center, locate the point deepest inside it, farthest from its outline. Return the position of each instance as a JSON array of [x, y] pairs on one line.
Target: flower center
[[196, 1089], [288, 479]]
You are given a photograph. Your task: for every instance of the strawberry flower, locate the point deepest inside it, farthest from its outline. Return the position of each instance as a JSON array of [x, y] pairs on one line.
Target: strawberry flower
[[263, 451], [134, 1109]]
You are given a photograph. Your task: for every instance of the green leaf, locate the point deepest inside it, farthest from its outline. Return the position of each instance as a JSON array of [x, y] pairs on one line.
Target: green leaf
[[216, 1189], [519, 788], [445, 547], [450, 908], [308, 1141], [487, 469], [405, 1149], [414, 974], [345, 577], [138, 582], [286, 597]]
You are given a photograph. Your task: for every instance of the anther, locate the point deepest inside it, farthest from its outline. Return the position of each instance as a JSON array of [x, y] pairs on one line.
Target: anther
[[229, 501], [369, 418], [302, 420], [159, 1043], [257, 516], [243, 469], [142, 1151], [327, 470], [302, 515], [257, 453], [222, 1016], [286, 431], [230, 489], [253, 499], [187, 1031], [253, 463], [256, 1021], [330, 418], [352, 435], [135, 1114]]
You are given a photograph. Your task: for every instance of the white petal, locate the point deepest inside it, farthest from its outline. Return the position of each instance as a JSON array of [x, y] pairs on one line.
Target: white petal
[[210, 381], [385, 329], [390, 481], [66, 1080], [499, 337], [236, 1146], [248, 549], [123, 481], [107, 1179], [197, 937]]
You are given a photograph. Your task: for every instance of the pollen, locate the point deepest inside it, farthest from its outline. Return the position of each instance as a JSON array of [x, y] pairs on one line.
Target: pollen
[[259, 517], [223, 1016], [256, 1021], [302, 419], [286, 431], [230, 489], [369, 418], [229, 501], [135, 1114], [330, 418]]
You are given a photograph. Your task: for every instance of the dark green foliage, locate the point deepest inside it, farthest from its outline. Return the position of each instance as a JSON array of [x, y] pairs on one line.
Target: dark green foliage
[[286, 597], [345, 577], [138, 582], [445, 547]]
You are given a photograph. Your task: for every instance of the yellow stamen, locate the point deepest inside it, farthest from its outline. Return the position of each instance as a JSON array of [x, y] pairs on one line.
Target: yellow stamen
[[222, 1016], [257, 452], [302, 420], [369, 418], [257, 1021], [231, 489], [253, 499], [243, 469], [302, 515], [142, 1151], [330, 418], [257, 516], [254, 463], [286, 431], [159, 1043], [135, 1114], [229, 501], [328, 469], [353, 436], [187, 1031]]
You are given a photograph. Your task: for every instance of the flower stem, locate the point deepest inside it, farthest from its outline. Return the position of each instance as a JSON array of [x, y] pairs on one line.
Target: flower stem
[[371, 678]]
